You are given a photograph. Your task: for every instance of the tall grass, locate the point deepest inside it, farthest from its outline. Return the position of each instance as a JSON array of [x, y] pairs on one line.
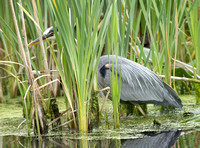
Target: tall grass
[[118, 43], [192, 16], [79, 48]]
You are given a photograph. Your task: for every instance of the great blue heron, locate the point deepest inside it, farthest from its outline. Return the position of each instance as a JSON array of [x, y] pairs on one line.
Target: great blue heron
[[138, 83]]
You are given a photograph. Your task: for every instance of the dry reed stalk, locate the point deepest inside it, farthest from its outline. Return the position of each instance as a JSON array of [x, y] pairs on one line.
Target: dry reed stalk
[[1, 93], [26, 61], [46, 67], [176, 43], [169, 63], [53, 108], [181, 79]]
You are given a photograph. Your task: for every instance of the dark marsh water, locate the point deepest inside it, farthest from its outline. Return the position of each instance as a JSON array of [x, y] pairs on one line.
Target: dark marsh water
[[177, 139]]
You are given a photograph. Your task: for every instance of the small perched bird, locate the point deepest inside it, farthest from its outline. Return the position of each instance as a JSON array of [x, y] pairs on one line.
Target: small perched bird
[[138, 83]]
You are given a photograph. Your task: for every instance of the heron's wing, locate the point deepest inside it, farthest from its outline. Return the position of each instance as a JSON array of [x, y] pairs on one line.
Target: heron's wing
[[138, 83]]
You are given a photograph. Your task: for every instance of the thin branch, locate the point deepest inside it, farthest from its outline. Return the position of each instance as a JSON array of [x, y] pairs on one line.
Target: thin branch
[[181, 79], [62, 124], [10, 62], [49, 83], [59, 116], [21, 123]]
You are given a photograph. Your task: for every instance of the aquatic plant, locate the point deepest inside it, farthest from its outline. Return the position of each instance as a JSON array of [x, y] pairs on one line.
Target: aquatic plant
[[87, 30]]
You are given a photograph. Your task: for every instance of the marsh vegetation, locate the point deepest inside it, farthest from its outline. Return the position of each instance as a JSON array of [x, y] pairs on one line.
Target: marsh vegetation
[[161, 35]]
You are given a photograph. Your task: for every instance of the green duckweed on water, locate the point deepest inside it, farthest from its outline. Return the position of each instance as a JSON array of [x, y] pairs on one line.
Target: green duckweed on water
[[132, 128], [11, 117]]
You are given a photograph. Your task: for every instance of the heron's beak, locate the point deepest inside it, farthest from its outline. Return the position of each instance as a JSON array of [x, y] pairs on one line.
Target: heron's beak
[[36, 41], [48, 35]]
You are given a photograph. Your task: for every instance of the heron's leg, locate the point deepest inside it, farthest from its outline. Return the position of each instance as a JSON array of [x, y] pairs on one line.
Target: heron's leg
[[104, 101], [140, 109]]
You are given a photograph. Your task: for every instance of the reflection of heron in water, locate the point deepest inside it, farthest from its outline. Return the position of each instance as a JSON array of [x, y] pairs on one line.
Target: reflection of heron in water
[[138, 83], [160, 140]]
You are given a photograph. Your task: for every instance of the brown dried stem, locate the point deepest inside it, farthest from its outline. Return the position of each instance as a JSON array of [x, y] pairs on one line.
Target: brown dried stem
[[27, 64], [46, 67]]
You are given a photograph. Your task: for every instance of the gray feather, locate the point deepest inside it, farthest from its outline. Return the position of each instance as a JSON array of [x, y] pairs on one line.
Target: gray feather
[[138, 83]]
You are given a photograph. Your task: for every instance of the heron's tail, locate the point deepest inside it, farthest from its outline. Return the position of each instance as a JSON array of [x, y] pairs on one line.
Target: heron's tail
[[172, 97]]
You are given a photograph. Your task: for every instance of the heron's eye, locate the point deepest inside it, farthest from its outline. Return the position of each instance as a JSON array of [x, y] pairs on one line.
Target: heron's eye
[[103, 71]]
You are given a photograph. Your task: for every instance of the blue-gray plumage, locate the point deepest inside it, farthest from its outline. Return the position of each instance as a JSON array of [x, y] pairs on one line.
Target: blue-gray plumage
[[138, 83]]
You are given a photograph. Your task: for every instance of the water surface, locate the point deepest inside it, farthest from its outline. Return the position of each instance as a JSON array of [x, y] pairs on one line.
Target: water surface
[[156, 130]]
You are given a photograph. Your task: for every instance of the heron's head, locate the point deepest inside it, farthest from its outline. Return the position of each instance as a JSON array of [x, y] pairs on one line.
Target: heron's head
[[47, 35]]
